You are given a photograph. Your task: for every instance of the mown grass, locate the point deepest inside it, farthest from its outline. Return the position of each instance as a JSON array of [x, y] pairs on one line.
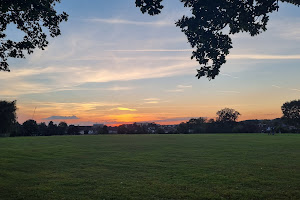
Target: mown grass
[[217, 166]]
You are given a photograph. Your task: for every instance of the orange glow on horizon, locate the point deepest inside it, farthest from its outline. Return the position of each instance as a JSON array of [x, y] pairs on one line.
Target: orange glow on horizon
[[116, 120]]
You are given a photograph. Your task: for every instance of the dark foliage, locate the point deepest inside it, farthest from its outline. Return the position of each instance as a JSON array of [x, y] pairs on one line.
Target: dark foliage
[[31, 17], [52, 129], [227, 115], [211, 23], [7, 116], [62, 128], [73, 130], [144, 128], [105, 129], [30, 128], [43, 129], [291, 112]]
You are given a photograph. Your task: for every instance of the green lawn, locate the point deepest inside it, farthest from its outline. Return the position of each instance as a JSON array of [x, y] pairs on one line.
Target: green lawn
[[216, 166]]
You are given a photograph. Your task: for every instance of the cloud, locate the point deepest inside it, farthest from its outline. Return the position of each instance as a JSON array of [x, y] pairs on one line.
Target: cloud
[[130, 22], [228, 75], [63, 109], [184, 86], [152, 99], [59, 78], [10, 98], [276, 86], [263, 57], [289, 28], [175, 90], [124, 109], [152, 102], [151, 50], [117, 88], [293, 89], [180, 88], [61, 117], [228, 91]]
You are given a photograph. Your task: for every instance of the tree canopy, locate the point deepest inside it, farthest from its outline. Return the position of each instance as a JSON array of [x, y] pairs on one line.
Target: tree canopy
[[30, 128], [7, 116], [205, 28], [291, 112], [31, 17], [227, 115]]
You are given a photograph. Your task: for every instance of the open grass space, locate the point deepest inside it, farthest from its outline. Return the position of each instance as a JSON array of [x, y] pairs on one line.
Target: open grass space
[[216, 166]]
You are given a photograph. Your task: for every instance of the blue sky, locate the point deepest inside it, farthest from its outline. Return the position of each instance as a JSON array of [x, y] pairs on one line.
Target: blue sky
[[112, 64]]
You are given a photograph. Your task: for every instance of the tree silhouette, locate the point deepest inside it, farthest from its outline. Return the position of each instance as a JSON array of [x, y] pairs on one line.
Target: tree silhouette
[[291, 112], [62, 128], [227, 115], [30, 128], [210, 19], [52, 129], [73, 130], [7, 116], [30, 17], [43, 129]]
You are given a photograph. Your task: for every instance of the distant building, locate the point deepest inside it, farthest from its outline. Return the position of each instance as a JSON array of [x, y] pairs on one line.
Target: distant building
[[95, 126], [112, 130], [85, 130]]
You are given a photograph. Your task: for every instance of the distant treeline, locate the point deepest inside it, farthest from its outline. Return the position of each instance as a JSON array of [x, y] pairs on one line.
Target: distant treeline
[[193, 126], [226, 122], [201, 125], [32, 128]]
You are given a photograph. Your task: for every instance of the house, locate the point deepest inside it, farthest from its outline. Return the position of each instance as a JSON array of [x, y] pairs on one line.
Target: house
[[83, 130]]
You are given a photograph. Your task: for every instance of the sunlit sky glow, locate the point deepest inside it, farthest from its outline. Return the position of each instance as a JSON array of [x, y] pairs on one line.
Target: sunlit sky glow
[[114, 65]]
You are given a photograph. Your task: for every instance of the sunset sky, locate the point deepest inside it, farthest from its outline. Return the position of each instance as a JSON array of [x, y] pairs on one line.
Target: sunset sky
[[114, 65]]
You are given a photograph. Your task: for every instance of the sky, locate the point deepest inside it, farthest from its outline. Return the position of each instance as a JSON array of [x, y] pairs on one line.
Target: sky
[[114, 65]]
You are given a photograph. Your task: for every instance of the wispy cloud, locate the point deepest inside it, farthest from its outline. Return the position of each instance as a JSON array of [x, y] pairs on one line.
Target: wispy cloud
[[175, 90], [130, 22], [180, 88], [152, 102], [228, 75], [152, 99], [293, 89], [11, 98], [151, 50], [124, 109], [62, 109], [263, 57], [67, 77], [118, 88], [184, 86], [61, 117], [276, 86], [229, 92], [230, 56], [289, 28]]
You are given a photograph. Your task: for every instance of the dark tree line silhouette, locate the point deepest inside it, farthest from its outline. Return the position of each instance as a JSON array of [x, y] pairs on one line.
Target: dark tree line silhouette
[[32, 128], [226, 122], [8, 117]]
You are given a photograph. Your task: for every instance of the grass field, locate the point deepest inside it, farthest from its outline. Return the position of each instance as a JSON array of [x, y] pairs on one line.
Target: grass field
[[217, 166]]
